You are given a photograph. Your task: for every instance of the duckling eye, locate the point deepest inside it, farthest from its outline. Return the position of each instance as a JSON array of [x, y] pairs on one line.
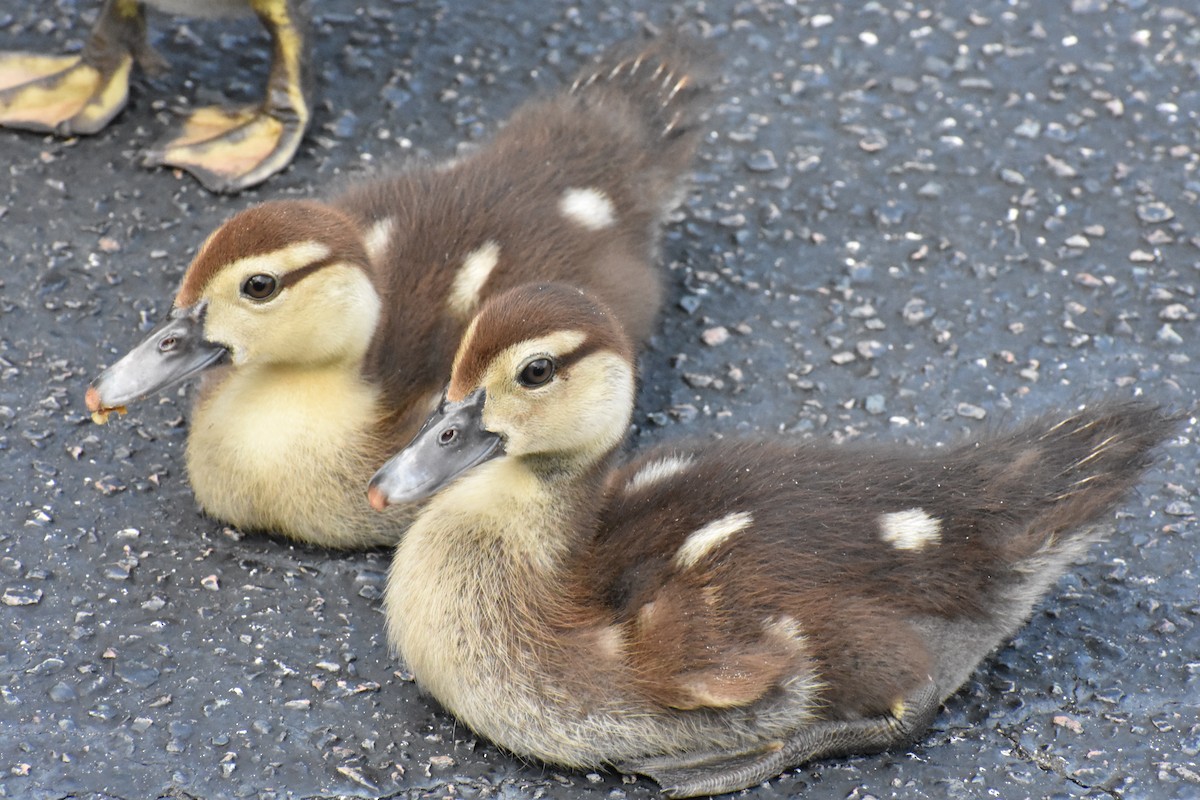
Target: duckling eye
[[259, 287], [536, 372]]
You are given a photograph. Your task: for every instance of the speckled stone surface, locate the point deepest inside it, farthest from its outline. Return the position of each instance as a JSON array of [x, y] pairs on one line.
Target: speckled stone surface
[[910, 222]]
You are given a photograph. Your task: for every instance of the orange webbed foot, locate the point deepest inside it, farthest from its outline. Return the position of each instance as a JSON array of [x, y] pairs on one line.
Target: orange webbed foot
[[65, 95], [230, 149]]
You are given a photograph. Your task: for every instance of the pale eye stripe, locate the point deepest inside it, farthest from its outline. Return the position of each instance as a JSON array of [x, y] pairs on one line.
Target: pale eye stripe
[[704, 540], [911, 529], [472, 275], [284, 260], [292, 263], [589, 208], [657, 471]]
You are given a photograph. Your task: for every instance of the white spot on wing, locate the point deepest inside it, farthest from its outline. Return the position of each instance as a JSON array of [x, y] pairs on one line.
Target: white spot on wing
[[787, 630], [590, 208], [472, 275], [912, 529], [704, 540], [377, 238], [610, 642], [657, 471]]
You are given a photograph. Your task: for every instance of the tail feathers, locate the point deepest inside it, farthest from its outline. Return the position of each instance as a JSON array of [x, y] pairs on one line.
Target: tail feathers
[[1066, 473], [1110, 443], [668, 79], [1042, 494]]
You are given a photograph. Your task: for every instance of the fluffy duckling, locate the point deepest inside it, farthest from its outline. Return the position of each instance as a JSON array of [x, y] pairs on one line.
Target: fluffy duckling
[[227, 149], [327, 329], [710, 614]]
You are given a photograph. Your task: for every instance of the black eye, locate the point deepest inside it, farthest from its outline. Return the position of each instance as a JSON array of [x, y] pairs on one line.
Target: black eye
[[259, 287], [536, 372]]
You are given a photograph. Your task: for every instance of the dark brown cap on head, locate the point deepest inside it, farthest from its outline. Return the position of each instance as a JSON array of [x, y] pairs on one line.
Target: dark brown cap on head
[[530, 312], [266, 229]]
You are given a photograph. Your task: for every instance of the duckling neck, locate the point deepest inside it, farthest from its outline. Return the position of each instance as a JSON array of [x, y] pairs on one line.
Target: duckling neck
[[540, 511], [479, 583]]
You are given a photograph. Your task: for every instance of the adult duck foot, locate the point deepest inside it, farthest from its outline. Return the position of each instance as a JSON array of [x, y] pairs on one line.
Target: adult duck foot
[[229, 150], [77, 94], [65, 95]]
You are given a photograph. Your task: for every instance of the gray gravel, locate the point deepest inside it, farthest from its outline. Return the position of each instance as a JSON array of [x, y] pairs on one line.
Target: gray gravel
[[912, 222]]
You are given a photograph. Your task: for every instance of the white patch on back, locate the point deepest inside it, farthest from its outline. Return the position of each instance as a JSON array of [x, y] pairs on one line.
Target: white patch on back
[[472, 275], [704, 540], [646, 614], [590, 208], [377, 238], [787, 630], [912, 529], [657, 471], [610, 642]]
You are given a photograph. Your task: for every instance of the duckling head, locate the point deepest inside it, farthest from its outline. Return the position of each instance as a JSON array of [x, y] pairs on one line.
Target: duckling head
[[544, 375], [281, 284]]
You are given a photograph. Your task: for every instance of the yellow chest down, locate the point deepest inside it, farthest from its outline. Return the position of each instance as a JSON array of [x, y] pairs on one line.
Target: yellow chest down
[[289, 451]]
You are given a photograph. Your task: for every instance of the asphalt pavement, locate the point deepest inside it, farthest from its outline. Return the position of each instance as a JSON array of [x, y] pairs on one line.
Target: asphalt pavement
[[910, 222]]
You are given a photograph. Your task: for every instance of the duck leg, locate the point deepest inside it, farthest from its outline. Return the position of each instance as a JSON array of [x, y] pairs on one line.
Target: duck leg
[[231, 149], [717, 772], [70, 95]]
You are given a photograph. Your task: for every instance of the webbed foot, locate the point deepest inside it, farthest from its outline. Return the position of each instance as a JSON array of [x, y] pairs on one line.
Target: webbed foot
[[61, 94], [717, 772], [228, 150], [70, 95], [233, 149]]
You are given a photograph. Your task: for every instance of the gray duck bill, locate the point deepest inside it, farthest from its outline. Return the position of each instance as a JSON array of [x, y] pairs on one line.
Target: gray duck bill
[[452, 441], [172, 352]]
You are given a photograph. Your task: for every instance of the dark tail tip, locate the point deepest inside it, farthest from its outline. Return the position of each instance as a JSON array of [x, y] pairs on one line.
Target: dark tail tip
[[669, 78], [1075, 468], [1109, 437]]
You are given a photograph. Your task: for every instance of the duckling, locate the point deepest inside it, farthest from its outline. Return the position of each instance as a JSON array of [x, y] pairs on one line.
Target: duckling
[[227, 149], [326, 329], [710, 614]]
